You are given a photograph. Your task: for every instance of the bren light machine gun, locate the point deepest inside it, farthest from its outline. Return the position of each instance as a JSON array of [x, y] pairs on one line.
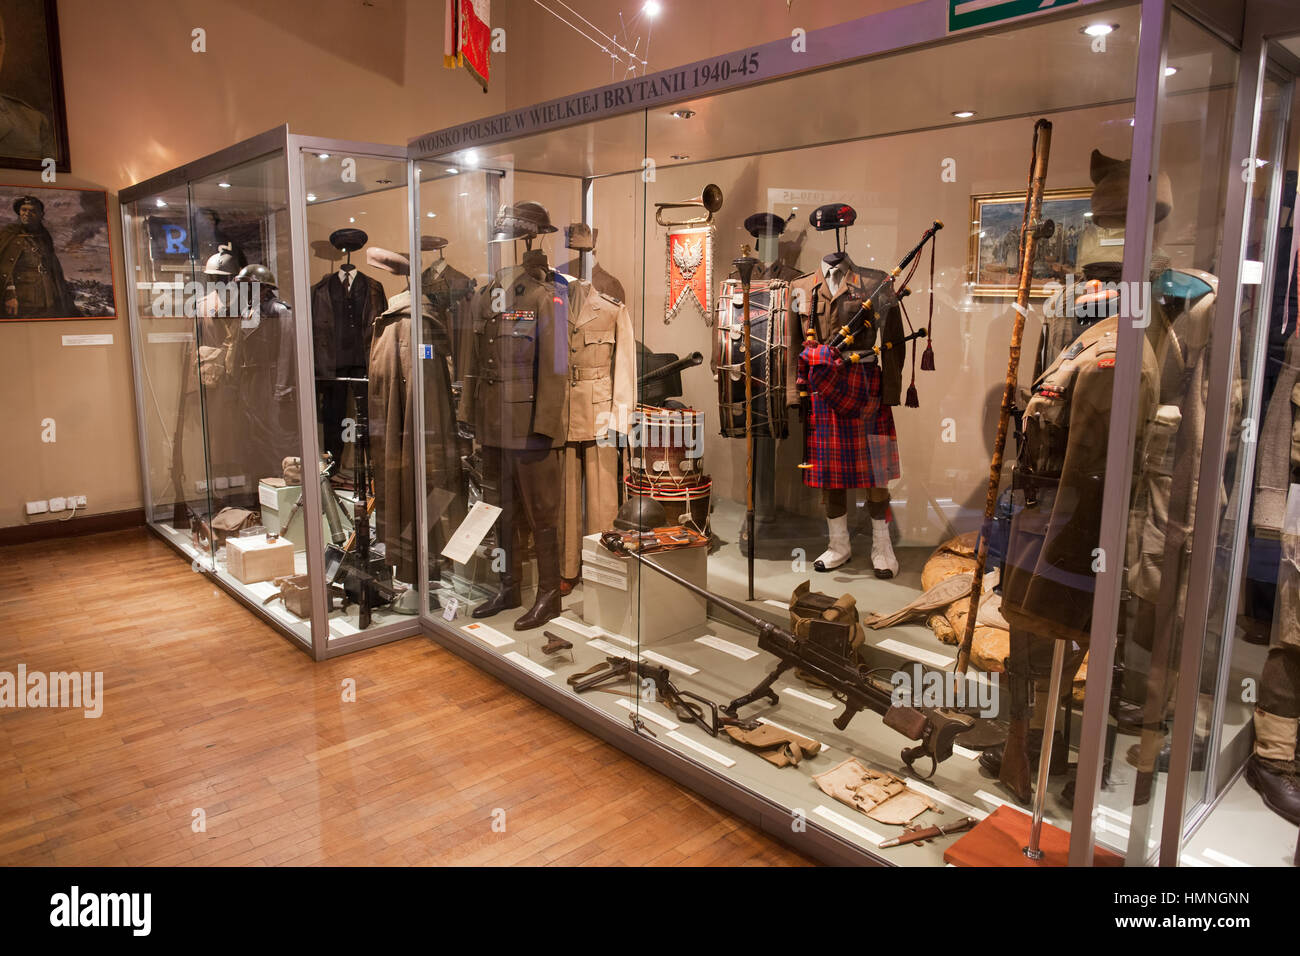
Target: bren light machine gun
[[827, 656]]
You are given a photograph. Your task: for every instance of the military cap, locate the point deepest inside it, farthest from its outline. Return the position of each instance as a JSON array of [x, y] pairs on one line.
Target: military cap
[[765, 224], [521, 220], [835, 215], [348, 240], [28, 200], [580, 236]]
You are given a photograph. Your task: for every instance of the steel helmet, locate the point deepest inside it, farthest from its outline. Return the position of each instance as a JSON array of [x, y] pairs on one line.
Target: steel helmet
[[222, 262], [257, 273]]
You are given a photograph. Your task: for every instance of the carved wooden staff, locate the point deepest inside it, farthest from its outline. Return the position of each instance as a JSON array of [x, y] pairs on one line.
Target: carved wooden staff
[[1030, 231], [745, 269]]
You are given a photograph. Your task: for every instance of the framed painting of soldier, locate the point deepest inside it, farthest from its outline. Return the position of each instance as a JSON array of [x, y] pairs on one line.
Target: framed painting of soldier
[[993, 263], [33, 122], [55, 258]]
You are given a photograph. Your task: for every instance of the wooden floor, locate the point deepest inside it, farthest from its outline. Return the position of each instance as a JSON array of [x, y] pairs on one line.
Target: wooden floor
[[207, 708]]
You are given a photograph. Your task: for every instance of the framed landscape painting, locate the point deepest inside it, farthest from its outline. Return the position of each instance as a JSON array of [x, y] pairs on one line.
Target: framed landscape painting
[[993, 262]]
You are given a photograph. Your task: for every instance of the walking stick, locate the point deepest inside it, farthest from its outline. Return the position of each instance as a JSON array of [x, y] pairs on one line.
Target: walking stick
[[745, 268], [1030, 231]]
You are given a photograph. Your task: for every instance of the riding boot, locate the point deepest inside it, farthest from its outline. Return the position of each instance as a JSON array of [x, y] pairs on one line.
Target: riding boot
[[503, 600], [547, 605]]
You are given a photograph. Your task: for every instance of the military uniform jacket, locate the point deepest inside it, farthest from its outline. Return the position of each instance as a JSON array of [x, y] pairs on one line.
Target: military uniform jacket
[[450, 295], [517, 389], [31, 268], [813, 306], [602, 363], [343, 323], [1049, 577]]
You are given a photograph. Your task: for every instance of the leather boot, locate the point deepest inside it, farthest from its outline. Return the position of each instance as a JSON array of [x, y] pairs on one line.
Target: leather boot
[[503, 600], [882, 549], [991, 759], [1277, 786], [547, 605], [837, 552]]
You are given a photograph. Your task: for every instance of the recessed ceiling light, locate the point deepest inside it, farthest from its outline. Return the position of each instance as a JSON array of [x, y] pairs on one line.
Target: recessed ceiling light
[[452, 170], [224, 185], [1170, 70], [311, 197], [323, 155], [352, 218], [159, 203], [964, 114], [464, 194], [682, 114], [652, 8], [471, 157], [679, 156], [431, 215], [1087, 215], [1100, 29]]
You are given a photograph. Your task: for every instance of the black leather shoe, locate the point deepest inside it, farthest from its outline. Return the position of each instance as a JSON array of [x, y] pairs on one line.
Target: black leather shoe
[[991, 759], [503, 600], [546, 606], [1279, 789]]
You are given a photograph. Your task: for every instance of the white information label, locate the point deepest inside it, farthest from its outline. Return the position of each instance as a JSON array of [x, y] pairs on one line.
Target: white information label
[[343, 628], [840, 820], [599, 632], [915, 653], [718, 644], [1222, 858], [781, 604], [267, 495], [1252, 272], [162, 338], [965, 809], [701, 749], [262, 590], [607, 648], [531, 666], [795, 692], [607, 578], [966, 752], [450, 608], [471, 531], [672, 665], [488, 635], [105, 339], [647, 714], [790, 730], [582, 629], [1187, 860]]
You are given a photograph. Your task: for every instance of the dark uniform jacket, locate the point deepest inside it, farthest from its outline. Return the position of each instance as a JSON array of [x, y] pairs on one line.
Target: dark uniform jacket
[[450, 299], [343, 324], [262, 358], [31, 269], [393, 438], [519, 377], [812, 307]]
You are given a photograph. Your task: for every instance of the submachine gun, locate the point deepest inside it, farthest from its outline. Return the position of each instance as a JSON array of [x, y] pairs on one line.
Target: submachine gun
[[827, 655]]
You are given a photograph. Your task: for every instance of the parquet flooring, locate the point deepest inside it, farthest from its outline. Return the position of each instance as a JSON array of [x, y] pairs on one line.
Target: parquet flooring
[[207, 708]]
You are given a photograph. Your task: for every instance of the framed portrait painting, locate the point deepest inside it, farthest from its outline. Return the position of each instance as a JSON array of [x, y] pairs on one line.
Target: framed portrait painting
[[33, 123], [56, 261], [993, 261]]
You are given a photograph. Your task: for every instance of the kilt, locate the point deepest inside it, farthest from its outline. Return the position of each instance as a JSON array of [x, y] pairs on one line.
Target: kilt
[[851, 442]]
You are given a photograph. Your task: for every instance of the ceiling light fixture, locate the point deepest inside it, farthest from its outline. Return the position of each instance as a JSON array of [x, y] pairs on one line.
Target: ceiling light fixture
[[471, 157], [311, 197], [652, 8], [224, 185], [323, 155], [1100, 29], [451, 170], [682, 114], [1170, 70], [964, 114], [431, 215]]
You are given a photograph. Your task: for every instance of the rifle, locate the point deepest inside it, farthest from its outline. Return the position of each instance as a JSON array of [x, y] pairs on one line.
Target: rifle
[[686, 706], [935, 728]]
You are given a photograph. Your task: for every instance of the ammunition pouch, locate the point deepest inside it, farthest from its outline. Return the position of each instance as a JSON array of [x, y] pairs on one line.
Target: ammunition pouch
[[830, 623], [882, 796]]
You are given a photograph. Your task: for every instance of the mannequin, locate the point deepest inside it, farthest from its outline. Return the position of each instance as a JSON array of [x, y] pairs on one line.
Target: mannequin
[[262, 355], [516, 393], [581, 238], [450, 293], [344, 305], [848, 448]]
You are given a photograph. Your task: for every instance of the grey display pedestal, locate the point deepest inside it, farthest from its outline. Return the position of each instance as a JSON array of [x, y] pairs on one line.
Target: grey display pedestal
[[620, 596]]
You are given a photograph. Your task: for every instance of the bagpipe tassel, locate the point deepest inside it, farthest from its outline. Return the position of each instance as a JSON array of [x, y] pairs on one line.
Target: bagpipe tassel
[[913, 400], [927, 358]]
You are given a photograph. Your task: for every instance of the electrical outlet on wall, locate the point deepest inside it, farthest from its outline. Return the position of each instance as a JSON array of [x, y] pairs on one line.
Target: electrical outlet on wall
[[37, 507], [58, 504], [76, 501]]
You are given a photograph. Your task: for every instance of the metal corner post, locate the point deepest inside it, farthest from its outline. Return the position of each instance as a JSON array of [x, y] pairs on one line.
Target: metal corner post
[[421, 532], [1152, 49], [1245, 137], [136, 339], [306, 382]]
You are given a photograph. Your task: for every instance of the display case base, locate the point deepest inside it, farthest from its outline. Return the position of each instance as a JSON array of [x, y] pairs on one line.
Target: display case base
[[1000, 838]]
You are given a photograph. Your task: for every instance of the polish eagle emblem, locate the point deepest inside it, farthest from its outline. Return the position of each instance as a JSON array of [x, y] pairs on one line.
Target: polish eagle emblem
[[688, 257]]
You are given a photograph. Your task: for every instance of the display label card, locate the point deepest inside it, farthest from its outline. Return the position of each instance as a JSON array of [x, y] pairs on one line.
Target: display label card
[[965, 809], [266, 494], [781, 604], [684, 669], [582, 629], [718, 644], [471, 531], [450, 608], [840, 820], [531, 666], [488, 635], [600, 576], [104, 339], [790, 730], [966, 752], [795, 692], [601, 632], [607, 648], [915, 653], [1252, 272], [343, 628], [701, 749], [162, 338], [427, 351], [646, 714]]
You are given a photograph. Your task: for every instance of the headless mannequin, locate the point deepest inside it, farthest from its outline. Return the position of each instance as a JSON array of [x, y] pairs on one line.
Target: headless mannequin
[[835, 268], [764, 447]]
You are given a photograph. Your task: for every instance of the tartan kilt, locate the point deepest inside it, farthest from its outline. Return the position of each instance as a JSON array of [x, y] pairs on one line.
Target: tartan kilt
[[851, 442]]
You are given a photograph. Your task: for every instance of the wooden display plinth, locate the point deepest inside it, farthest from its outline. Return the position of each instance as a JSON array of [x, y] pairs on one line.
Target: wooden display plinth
[[1000, 838]]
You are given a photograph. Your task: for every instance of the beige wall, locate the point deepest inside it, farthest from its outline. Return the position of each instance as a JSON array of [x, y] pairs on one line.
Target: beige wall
[[140, 101]]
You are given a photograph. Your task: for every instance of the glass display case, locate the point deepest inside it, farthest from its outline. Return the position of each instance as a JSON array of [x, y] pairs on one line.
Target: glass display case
[[271, 347], [736, 350]]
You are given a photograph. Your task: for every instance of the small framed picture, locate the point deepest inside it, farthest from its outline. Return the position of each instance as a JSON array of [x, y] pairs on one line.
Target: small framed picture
[[993, 262], [33, 122], [56, 261]]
